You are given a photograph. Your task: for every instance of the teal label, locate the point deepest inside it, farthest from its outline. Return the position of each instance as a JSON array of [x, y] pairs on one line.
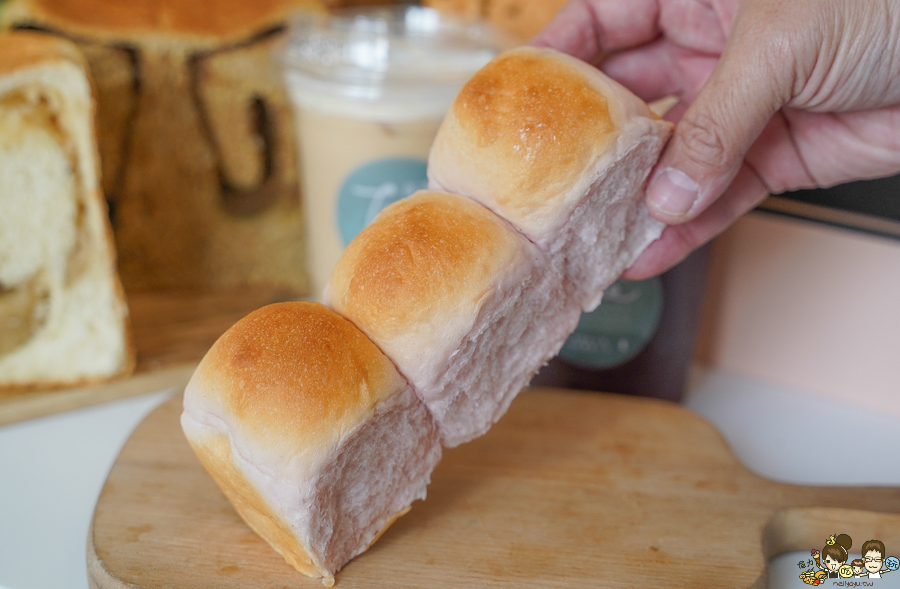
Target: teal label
[[373, 186], [619, 328]]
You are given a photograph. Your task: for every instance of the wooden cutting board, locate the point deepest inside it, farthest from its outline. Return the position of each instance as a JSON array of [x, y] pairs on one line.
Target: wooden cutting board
[[570, 489]]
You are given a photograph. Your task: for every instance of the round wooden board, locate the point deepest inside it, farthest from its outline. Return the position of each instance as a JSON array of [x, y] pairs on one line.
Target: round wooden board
[[570, 489]]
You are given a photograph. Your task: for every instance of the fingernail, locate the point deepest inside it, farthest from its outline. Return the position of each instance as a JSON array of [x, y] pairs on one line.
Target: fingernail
[[672, 192]]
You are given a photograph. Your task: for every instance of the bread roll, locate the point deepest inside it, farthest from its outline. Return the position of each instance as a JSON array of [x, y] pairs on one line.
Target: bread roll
[[466, 307], [562, 152], [63, 317], [310, 432], [196, 136]]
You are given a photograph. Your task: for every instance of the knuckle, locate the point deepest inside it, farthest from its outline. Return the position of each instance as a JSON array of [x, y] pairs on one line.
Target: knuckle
[[703, 143]]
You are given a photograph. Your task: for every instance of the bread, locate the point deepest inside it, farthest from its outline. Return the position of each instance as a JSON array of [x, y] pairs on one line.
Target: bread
[[467, 301], [63, 316], [465, 306], [562, 152], [310, 432], [196, 136]]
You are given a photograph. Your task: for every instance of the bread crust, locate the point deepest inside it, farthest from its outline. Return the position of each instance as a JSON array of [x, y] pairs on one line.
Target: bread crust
[[216, 22], [285, 411], [560, 151], [465, 306], [535, 123], [23, 49], [258, 366], [217, 457], [527, 136], [427, 260]]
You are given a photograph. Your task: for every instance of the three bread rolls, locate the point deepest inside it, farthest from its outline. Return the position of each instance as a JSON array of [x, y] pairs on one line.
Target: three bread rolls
[[467, 294]]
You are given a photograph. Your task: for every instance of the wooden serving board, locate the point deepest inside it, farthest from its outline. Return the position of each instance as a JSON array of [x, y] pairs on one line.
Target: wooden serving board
[[570, 489]]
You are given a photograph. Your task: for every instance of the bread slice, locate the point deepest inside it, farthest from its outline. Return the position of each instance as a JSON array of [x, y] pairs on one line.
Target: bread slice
[[310, 432], [63, 317], [466, 307], [563, 153]]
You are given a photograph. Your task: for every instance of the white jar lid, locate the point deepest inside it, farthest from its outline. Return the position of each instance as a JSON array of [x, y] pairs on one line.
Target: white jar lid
[[390, 62]]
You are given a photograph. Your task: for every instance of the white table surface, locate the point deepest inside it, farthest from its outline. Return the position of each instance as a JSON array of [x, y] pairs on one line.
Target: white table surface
[[52, 468], [51, 473]]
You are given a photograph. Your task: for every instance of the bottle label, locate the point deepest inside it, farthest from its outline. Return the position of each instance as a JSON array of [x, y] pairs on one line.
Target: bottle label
[[617, 330], [373, 186]]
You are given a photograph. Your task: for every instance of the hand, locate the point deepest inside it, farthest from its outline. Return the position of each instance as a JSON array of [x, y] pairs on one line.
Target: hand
[[775, 95]]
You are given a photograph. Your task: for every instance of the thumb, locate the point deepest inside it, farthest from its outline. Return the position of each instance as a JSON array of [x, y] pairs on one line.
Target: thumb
[[750, 83]]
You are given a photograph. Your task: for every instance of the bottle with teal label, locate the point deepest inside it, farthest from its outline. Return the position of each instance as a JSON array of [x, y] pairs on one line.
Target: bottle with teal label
[[373, 186], [640, 340], [616, 331]]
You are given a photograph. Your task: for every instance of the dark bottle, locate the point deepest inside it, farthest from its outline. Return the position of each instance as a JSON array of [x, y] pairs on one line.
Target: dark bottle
[[640, 340]]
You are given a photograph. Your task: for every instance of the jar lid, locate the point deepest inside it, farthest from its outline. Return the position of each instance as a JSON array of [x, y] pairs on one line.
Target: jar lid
[[399, 54]]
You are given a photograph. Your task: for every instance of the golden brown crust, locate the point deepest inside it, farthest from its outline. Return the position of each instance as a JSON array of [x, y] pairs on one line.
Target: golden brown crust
[[218, 19], [217, 458], [290, 379], [536, 120], [430, 253], [297, 370], [24, 49]]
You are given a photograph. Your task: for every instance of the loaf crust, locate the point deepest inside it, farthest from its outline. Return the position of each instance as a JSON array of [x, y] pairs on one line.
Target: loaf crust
[[210, 23]]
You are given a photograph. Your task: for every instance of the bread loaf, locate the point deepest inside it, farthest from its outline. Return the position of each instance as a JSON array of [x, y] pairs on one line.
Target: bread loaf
[[466, 307], [63, 317], [196, 136], [310, 432], [562, 152]]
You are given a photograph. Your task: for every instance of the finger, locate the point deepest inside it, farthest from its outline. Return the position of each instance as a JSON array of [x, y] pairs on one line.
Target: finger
[[776, 158], [659, 69], [749, 84], [647, 71], [589, 29], [847, 146], [677, 241]]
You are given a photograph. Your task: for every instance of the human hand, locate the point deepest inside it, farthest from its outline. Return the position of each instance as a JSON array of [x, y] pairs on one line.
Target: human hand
[[774, 96]]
